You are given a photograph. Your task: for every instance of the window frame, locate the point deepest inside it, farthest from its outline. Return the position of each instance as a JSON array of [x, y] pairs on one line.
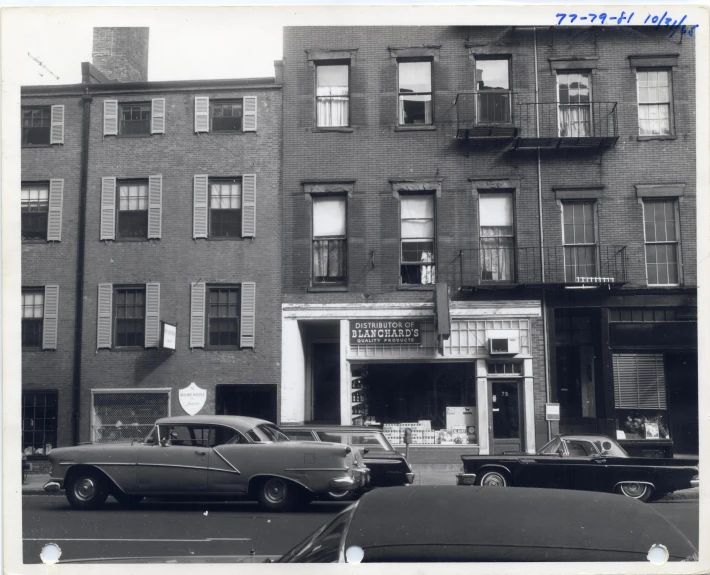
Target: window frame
[[208, 290], [239, 216], [325, 63], [314, 199], [409, 60], [115, 318], [565, 244], [46, 392], [679, 252], [46, 144], [509, 91], [671, 112], [514, 266], [432, 193], [34, 322], [221, 102], [120, 129], [128, 181], [590, 74], [41, 185]]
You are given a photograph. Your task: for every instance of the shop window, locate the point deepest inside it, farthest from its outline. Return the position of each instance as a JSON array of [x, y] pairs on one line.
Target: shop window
[[660, 219], [225, 203], [125, 415], [132, 210], [497, 237], [39, 422], [130, 317], [417, 233], [329, 240], [493, 96], [415, 95], [36, 126], [653, 315], [223, 317], [35, 211], [332, 95], [579, 239], [226, 116], [32, 317], [134, 119], [574, 104], [654, 102]]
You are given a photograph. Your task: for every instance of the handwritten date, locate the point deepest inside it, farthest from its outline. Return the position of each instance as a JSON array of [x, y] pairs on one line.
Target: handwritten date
[[676, 26]]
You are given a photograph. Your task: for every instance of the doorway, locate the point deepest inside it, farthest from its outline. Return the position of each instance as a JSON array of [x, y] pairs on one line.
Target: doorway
[[326, 382], [247, 400], [505, 416]]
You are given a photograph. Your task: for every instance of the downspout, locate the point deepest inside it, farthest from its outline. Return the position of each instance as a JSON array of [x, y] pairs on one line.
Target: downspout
[[545, 357], [79, 317]]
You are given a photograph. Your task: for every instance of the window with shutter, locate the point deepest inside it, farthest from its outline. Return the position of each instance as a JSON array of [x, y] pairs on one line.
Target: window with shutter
[[51, 314], [249, 205], [135, 118], [104, 312], [639, 381], [57, 125], [197, 315], [157, 117], [152, 315], [248, 315], [54, 217], [32, 317], [36, 126], [199, 207], [110, 117], [108, 207], [202, 114], [130, 316], [35, 211], [223, 316], [249, 124], [155, 217]]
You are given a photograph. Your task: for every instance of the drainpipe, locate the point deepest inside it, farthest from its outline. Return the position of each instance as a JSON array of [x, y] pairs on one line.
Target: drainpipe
[[79, 316], [543, 302]]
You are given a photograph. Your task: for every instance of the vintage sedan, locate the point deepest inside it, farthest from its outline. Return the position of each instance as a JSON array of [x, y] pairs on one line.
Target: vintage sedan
[[199, 456], [585, 462]]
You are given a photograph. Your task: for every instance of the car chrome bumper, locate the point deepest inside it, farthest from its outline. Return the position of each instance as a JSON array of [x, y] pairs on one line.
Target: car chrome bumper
[[410, 478], [53, 485], [465, 478], [695, 482], [344, 483]]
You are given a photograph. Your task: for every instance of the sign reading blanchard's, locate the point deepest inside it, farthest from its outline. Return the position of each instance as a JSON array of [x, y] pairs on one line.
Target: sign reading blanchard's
[[385, 331]]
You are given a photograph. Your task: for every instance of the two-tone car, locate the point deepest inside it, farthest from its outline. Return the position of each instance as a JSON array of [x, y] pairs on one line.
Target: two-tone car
[[205, 456], [387, 466], [584, 462]]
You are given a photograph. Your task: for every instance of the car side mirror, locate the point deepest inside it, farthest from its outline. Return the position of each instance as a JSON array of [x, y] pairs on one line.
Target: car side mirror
[[365, 451]]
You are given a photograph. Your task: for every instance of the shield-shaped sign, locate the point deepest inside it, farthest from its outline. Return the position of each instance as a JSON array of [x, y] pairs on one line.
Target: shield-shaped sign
[[192, 398]]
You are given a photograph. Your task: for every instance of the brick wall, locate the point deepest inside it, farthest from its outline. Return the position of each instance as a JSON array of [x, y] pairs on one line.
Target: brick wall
[[121, 54]]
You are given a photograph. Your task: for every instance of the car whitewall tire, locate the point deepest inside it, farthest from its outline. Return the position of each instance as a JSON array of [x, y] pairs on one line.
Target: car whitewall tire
[[493, 479], [639, 491]]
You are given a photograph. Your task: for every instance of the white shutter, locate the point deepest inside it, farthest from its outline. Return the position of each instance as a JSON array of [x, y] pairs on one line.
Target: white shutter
[[199, 206], [202, 114], [152, 314], [639, 381], [197, 315], [56, 134], [249, 123], [105, 309], [155, 216], [249, 205], [247, 315], [110, 117], [108, 208], [51, 313], [54, 217], [157, 116]]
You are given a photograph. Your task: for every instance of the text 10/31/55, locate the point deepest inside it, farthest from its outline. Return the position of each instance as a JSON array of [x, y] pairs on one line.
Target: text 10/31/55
[[605, 18]]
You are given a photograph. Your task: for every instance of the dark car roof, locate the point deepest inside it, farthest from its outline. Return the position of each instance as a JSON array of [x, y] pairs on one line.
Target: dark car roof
[[513, 517]]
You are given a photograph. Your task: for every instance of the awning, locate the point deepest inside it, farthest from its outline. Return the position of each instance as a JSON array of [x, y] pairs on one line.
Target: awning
[[441, 307]]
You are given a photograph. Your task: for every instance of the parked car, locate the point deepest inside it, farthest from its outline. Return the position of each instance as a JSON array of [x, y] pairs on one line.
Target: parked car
[[208, 455], [388, 467], [586, 462], [450, 524]]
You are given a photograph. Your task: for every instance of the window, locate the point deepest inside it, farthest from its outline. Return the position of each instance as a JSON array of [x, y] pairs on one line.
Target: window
[[493, 97], [130, 317], [132, 209], [414, 92], [225, 208], [579, 239], [417, 233], [654, 101], [226, 116], [32, 317], [36, 126], [497, 237], [661, 236], [126, 414], [574, 101], [134, 119], [35, 210], [324, 545], [223, 317], [580, 448], [39, 422], [186, 435], [329, 240], [332, 95], [299, 435]]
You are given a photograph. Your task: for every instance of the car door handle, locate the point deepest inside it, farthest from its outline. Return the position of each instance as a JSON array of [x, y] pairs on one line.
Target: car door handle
[[201, 452], [600, 461]]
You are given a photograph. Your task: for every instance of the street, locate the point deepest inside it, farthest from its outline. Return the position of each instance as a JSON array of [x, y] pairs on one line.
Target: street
[[160, 530]]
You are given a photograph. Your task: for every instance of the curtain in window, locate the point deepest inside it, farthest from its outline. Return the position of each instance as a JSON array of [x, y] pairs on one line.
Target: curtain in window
[[329, 252], [574, 105], [497, 240], [332, 102]]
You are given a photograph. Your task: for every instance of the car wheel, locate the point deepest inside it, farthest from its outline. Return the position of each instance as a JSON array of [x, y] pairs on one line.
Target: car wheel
[[340, 495], [85, 490], [493, 479], [276, 494], [126, 500], [639, 491]]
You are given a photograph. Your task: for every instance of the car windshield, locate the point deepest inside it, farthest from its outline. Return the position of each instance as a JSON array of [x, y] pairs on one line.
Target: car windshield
[[369, 439], [268, 432], [551, 447]]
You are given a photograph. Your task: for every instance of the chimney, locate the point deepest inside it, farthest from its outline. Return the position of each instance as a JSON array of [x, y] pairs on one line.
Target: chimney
[[279, 71], [121, 54]]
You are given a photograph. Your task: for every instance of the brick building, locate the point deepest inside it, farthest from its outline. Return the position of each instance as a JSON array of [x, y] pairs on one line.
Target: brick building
[[155, 204], [523, 201]]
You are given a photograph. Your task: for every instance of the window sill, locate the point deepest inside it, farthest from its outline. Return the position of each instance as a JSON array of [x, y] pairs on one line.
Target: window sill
[[340, 129], [130, 240], [130, 136], [664, 286], [225, 348], [647, 138], [35, 241], [416, 287], [130, 349], [25, 146], [416, 128], [225, 133], [333, 288], [225, 239], [36, 349]]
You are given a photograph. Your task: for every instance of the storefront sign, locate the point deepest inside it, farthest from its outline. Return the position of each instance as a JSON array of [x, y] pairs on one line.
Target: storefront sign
[[192, 399], [385, 332], [169, 335], [552, 411]]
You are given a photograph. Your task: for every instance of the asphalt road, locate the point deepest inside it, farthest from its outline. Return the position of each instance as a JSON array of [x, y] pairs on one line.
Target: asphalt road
[[195, 531]]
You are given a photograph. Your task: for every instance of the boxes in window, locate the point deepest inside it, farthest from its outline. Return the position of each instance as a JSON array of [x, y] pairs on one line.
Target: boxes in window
[[445, 437], [460, 415], [429, 437], [425, 424], [460, 438]]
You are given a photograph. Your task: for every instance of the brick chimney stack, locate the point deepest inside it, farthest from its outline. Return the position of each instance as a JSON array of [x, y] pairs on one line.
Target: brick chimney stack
[[121, 54]]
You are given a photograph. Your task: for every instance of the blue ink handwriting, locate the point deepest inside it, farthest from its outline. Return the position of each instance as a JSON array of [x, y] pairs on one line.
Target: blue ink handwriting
[[675, 25]]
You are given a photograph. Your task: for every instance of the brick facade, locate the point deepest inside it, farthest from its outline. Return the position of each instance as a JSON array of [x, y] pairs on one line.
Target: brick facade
[[121, 54]]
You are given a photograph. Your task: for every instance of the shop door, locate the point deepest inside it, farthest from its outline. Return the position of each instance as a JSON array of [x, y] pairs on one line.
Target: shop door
[[505, 421], [247, 400], [326, 382]]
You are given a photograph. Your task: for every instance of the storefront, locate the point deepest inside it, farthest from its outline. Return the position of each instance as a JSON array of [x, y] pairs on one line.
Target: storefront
[[383, 364]]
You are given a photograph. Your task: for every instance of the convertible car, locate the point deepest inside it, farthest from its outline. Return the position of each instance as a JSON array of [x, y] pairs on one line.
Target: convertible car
[[200, 456], [585, 462]]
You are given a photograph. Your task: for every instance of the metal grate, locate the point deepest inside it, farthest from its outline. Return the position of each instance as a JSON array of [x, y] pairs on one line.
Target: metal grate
[[126, 415]]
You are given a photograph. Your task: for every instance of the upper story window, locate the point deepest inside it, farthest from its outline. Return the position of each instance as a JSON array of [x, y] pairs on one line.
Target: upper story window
[[32, 317], [493, 96], [35, 211], [223, 316], [654, 102], [417, 264], [132, 209], [497, 237], [134, 119], [39, 422], [129, 312], [329, 240], [226, 116], [225, 213], [660, 218], [579, 239], [574, 104], [415, 96], [36, 126], [332, 95]]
